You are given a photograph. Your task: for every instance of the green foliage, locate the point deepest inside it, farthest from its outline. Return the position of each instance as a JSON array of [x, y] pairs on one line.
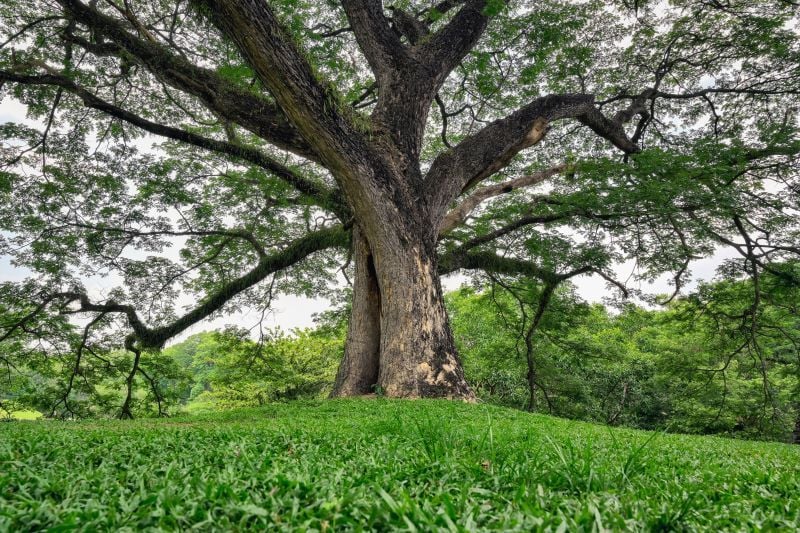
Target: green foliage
[[486, 347], [228, 369], [387, 465], [710, 363], [46, 381], [174, 222]]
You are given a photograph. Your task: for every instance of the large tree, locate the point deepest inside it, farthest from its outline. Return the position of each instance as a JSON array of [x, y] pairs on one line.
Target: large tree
[[397, 140]]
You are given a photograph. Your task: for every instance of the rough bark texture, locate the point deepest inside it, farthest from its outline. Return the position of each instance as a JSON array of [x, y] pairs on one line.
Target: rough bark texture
[[460, 213], [358, 371], [418, 354], [399, 341]]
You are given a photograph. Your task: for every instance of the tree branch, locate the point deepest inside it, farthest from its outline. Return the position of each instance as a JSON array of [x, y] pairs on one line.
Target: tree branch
[[320, 194], [481, 155], [310, 105], [148, 337], [488, 261], [445, 49], [249, 110], [380, 45], [460, 213]]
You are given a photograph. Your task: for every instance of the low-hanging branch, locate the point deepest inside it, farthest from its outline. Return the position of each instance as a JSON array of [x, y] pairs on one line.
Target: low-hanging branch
[[154, 337], [317, 192]]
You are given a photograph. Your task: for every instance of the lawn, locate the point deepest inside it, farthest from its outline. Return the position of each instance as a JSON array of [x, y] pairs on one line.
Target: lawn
[[21, 415], [380, 464]]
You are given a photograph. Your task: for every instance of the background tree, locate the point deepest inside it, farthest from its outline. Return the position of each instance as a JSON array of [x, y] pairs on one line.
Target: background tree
[[751, 334], [229, 369], [699, 365], [296, 137], [504, 329]]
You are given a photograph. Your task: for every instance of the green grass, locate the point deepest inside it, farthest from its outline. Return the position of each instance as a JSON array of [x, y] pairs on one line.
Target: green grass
[[24, 415], [379, 464]]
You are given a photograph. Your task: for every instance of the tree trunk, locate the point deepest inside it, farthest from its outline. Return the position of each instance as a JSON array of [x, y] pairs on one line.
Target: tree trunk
[[530, 357], [612, 420], [358, 371], [531, 385], [398, 305], [796, 432], [418, 355]]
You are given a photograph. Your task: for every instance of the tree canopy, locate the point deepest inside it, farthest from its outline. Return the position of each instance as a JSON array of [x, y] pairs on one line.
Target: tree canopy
[[236, 150]]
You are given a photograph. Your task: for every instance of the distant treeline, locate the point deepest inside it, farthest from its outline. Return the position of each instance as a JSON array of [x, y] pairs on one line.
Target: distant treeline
[[724, 360]]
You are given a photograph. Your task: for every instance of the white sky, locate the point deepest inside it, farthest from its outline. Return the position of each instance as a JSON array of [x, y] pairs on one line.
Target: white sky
[[297, 312]]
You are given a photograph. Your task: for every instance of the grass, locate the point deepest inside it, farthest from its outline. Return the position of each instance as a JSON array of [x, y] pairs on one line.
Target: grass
[[21, 415], [380, 464]]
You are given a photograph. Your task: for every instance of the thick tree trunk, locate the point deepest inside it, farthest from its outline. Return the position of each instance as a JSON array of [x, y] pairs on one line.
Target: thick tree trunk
[[397, 299], [358, 371], [418, 355]]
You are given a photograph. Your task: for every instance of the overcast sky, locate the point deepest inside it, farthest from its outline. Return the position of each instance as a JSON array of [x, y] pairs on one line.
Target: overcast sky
[[296, 312]]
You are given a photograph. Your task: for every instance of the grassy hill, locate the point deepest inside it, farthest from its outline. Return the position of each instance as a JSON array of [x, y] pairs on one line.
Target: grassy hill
[[380, 464]]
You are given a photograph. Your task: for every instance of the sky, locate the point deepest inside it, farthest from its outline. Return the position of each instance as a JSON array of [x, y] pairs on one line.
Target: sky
[[291, 311]]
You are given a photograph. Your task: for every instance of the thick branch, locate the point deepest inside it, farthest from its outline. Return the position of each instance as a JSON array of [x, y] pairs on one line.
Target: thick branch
[[269, 50], [490, 262], [309, 104], [406, 93], [447, 47], [148, 337], [380, 45], [242, 107], [364, 169], [492, 148]]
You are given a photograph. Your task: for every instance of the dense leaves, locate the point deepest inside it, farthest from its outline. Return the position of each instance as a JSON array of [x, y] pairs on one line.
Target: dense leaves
[[227, 369], [723, 360]]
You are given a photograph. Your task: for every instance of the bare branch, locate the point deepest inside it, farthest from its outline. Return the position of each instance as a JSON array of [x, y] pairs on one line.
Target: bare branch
[[460, 213]]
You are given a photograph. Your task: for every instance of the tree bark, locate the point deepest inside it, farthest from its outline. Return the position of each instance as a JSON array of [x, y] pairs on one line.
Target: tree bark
[[358, 371], [399, 341], [418, 356], [531, 377], [398, 209]]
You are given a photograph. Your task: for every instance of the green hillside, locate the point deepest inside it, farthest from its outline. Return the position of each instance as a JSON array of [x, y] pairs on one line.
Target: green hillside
[[380, 464]]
